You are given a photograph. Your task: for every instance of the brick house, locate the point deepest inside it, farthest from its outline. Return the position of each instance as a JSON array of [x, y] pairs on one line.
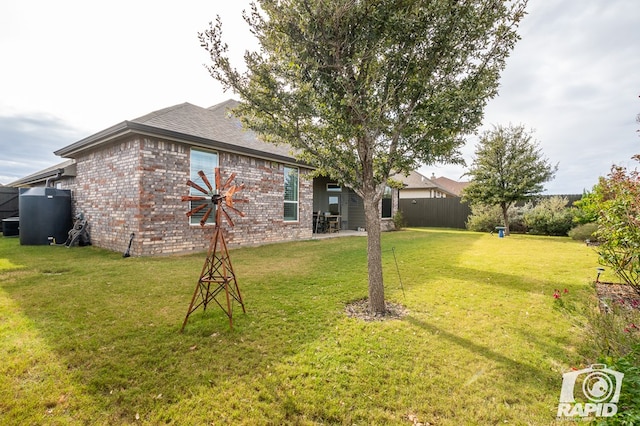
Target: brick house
[[131, 177]]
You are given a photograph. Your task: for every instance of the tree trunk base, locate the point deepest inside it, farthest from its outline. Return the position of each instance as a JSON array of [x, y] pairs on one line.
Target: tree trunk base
[[360, 309]]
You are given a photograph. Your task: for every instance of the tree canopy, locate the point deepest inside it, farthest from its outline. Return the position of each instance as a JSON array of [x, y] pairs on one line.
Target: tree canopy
[[616, 198], [366, 89], [508, 167]]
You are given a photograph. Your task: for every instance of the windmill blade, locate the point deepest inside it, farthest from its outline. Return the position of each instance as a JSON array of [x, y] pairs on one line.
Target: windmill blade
[[228, 182], [193, 198], [235, 189], [238, 188], [196, 186], [228, 217], [217, 174], [230, 193], [205, 180], [236, 211], [196, 210], [206, 216]]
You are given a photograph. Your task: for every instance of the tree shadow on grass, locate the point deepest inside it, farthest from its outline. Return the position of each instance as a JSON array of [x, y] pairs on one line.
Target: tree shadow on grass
[[120, 342], [519, 369]]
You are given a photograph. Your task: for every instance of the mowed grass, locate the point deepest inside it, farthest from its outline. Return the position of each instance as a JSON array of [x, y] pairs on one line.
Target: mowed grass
[[90, 337]]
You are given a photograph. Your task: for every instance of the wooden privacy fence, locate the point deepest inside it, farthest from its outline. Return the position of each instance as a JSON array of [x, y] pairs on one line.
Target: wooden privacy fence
[[435, 212], [450, 212]]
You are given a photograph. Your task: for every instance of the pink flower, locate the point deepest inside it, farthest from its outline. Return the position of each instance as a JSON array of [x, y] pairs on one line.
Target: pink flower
[[566, 291], [556, 295]]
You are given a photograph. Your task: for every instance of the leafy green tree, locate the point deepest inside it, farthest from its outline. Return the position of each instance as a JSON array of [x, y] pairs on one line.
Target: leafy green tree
[[508, 167], [366, 89], [587, 208], [618, 197]]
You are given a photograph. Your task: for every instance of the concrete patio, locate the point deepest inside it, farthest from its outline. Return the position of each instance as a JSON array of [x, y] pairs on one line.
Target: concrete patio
[[341, 233]]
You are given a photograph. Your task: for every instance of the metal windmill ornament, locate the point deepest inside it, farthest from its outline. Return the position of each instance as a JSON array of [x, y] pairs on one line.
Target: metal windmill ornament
[[217, 277]]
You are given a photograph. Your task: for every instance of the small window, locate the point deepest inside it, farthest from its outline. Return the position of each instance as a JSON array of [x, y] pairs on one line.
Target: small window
[[206, 161], [334, 187], [290, 194], [386, 202]]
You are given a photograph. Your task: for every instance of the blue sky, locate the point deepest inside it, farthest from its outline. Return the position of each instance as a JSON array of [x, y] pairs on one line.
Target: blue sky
[[72, 68]]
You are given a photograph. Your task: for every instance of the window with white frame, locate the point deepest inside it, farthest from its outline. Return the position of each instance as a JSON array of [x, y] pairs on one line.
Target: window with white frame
[[207, 161], [290, 193], [334, 187]]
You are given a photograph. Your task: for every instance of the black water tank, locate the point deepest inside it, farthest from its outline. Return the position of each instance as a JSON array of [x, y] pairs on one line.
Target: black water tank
[[11, 227], [45, 215]]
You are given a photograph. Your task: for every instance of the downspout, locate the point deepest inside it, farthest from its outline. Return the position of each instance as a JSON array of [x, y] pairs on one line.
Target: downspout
[[54, 178]]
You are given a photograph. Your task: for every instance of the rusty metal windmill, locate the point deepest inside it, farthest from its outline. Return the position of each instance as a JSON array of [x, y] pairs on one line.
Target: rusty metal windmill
[[217, 277]]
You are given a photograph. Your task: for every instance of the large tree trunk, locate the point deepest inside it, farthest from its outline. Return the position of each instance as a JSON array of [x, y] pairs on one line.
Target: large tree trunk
[[505, 217], [374, 254]]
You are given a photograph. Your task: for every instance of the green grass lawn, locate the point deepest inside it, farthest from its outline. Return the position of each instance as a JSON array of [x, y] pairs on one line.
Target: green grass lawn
[[87, 336]]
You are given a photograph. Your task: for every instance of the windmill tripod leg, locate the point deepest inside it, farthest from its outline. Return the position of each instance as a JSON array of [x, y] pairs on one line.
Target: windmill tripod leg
[[217, 275], [229, 311], [232, 293]]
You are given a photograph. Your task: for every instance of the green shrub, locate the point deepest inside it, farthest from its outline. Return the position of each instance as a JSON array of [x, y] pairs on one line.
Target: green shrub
[[485, 218], [618, 197], [550, 217], [398, 220], [629, 403], [610, 331], [587, 208], [612, 337], [584, 232], [516, 218], [614, 340]]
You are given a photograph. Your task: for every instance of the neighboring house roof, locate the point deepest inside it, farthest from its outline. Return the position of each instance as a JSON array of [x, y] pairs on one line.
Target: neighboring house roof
[[450, 185], [64, 169], [416, 180], [214, 127]]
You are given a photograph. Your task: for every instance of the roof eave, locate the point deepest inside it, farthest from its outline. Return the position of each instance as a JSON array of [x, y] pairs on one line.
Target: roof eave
[[127, 127], [108, 134], [68, 170]]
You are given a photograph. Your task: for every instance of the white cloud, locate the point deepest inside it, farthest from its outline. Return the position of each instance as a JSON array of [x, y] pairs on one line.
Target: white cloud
[[573, 79], [573, 76]]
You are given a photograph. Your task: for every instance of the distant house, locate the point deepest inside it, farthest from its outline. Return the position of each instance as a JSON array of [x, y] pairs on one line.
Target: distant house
[[131, 177], [415, 185], [432, 202]]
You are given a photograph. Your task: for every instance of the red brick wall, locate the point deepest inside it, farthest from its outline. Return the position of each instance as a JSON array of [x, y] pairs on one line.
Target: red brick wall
[[136, 186]]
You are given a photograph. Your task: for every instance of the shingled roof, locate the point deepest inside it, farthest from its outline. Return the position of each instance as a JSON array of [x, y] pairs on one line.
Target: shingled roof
[[215, 127], [451, 185], [65, 169], [416, 180]]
